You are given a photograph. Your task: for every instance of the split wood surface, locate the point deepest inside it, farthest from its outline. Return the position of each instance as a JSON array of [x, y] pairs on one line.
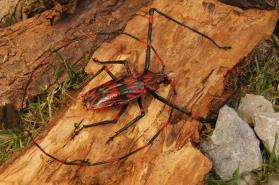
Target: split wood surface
[[198, 68], [23, 75]]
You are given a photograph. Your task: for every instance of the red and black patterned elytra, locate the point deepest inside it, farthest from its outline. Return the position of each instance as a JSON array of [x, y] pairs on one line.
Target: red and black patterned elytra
[[122, 91]]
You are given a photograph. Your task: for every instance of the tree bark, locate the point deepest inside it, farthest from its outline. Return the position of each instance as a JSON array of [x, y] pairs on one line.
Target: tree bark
[[260, 4], [13, 11], [199, 70], [23, 75], [20, 45]]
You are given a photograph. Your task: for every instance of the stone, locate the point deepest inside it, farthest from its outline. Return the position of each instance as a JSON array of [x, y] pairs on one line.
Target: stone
[[232, 145], [252, 104], [272, 181], [266, 127], [247, 179]]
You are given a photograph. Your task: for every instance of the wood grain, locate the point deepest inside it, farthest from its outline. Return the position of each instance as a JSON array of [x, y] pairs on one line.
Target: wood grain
[[23, 75], [197, 67]]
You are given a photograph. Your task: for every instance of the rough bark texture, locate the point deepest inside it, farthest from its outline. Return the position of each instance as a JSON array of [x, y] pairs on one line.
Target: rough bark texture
[[21, 44], [22, 76], [198, 68], [261, 4], [13, 11]]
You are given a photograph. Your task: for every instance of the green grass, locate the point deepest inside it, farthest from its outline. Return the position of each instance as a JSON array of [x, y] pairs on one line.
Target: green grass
[[10, 141], [263, 73], [259, 75], [270, 167], [264, 79], [212, 179], [40, 109], [9, 19], [269, 170]]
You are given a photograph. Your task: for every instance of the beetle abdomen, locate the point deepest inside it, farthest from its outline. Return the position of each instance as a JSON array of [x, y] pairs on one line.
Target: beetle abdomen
[[114, 93]]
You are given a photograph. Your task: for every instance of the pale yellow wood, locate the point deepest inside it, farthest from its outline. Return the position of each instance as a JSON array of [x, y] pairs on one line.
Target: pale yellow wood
[[197, 67]]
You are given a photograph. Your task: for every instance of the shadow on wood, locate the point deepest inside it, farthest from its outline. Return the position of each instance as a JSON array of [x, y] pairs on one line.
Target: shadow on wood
[[23, 75], [198, 68]]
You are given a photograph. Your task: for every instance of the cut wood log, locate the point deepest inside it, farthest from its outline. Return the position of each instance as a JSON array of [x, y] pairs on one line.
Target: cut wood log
[[198, 68], [23, 75]]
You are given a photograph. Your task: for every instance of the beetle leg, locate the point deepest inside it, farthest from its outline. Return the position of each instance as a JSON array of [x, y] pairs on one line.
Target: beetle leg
[[149, 38], [153, 10], [106, 69], [195, 116], [130, 123], [86, 162], [143, 42], [172, 105], [149, 34], [79, 127], [147, 144], [124, 62], [152, 48]]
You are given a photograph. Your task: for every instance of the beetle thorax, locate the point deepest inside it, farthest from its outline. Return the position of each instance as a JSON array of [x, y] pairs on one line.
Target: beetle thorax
[[153, 80]]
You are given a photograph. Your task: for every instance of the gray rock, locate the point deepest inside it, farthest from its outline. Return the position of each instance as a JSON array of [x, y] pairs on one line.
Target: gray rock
[[232, 145], [247, 179], [251, 104], [266, 126], [273, 182]]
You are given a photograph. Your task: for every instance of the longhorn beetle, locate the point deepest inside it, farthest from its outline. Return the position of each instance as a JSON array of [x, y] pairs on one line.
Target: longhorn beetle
[[121, 91]]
